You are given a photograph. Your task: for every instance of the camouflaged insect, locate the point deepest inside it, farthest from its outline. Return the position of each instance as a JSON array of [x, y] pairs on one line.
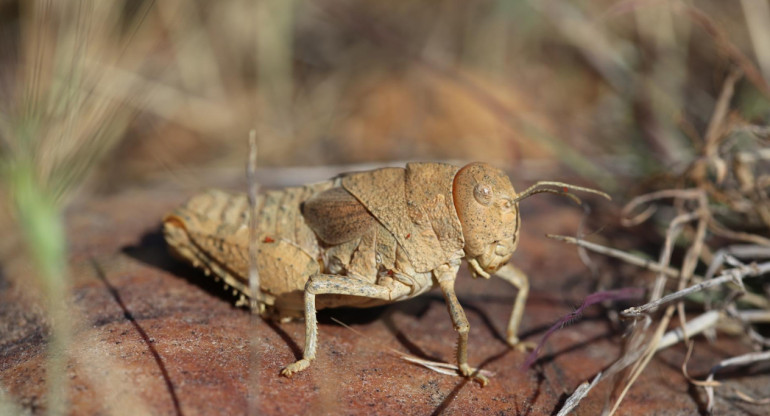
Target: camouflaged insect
[[363, 239]]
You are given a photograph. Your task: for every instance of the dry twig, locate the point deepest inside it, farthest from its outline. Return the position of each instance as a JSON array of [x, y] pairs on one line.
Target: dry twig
[[748, 297], [744, 359], [735, 275]]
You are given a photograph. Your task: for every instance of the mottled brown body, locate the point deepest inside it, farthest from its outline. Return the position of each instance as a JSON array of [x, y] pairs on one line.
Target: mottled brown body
[[361, 239], [211, 231]]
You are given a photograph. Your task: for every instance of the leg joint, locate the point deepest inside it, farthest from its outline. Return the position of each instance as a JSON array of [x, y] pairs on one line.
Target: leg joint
[[463, 327]]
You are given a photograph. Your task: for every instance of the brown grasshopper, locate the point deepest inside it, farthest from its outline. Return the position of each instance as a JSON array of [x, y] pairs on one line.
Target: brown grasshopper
[[363, 239]]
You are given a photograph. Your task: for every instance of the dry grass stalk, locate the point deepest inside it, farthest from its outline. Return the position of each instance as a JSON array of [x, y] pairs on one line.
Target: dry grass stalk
[[692, 327], [56, 126], [735, 275], [740, 360], [670, 272], [254, 303], [686, 273], [579, 394], [697, 205], [708, 320], [439, 367]]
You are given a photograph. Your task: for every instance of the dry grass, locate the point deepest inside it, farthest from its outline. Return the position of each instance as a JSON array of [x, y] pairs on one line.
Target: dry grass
[[723, 188]]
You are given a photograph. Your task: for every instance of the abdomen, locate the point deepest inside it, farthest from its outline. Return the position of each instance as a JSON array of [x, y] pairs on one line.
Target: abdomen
[[211, 231]]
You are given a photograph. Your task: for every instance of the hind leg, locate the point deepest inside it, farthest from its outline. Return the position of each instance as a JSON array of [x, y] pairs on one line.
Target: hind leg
[[321, 284]]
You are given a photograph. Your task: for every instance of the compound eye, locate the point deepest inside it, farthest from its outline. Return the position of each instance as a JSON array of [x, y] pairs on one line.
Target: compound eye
[[483, 194]]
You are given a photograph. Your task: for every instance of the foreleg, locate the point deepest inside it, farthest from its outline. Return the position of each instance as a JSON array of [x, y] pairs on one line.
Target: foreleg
[[446, 280]]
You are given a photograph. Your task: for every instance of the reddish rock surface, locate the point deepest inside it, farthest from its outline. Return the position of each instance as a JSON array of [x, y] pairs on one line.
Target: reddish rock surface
[[157, 337]]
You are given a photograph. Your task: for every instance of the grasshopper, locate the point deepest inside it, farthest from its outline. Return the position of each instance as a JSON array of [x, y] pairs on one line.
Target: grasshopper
[[363, 239]]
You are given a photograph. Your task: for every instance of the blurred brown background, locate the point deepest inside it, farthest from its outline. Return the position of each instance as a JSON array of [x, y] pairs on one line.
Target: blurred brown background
[[602, 88]]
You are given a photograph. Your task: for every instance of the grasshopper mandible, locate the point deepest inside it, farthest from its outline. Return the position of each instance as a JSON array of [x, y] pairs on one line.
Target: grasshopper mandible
[[364, 239]]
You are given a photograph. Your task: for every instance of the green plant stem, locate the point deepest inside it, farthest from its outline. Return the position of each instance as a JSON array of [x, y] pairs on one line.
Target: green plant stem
[[41, 224]]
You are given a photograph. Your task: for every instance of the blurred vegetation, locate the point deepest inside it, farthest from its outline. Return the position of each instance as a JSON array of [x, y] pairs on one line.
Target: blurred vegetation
[[101, 95], [606, 88]]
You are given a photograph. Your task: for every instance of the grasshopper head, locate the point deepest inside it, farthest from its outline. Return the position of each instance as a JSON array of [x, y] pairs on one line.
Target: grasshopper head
[[485, 202]]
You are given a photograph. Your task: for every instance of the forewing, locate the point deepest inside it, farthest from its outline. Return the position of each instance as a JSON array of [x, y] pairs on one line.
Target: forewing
[[336, 216]]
